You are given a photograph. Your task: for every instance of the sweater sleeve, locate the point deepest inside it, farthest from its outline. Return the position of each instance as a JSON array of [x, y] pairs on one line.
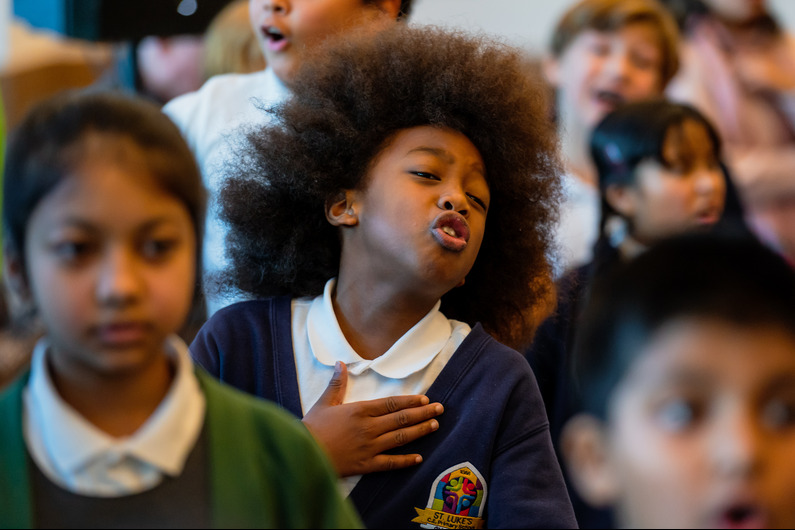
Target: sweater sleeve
[[527, 487]]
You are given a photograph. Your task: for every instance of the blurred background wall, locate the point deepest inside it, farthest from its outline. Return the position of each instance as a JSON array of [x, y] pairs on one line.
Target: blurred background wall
[[49, 45]]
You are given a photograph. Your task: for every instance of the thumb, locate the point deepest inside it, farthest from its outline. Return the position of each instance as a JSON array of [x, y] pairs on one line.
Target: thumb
[[335, 391]]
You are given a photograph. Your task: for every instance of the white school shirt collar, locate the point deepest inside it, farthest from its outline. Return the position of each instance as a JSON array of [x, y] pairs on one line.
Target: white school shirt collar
[[67, 447], [410, 354], [274, 89]]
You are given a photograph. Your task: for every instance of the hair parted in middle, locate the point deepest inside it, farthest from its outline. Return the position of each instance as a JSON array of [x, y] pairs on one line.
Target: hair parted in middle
[[349, 101]]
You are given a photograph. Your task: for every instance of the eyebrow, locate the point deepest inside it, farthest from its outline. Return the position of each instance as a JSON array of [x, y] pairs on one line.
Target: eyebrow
[[435, 151], [89, 226], [444, 156], [784, 381]]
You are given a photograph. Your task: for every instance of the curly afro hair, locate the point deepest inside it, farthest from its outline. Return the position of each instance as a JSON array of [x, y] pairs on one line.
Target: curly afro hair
[[348, 101]]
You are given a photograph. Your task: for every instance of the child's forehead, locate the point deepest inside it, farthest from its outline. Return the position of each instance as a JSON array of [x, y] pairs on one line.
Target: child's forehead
[[689, 137], [710, 353], [633, 33]]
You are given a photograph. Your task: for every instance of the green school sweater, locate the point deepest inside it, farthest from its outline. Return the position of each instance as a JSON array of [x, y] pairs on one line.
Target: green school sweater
[[2, 161], [266, 470]]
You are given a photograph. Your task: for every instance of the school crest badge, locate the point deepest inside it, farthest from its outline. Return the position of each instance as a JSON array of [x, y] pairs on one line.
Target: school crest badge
[[457, 499]]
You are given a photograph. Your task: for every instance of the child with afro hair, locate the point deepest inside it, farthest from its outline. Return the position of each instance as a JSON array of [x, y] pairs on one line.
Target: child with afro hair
[[358, 221]]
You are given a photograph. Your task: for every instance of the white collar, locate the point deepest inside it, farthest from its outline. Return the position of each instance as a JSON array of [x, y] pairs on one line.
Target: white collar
[[164, 441], [273, 89], [410, 354]]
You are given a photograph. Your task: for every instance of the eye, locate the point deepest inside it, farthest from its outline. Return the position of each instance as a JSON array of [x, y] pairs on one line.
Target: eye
[[425, 175], [158, 248], [642, 61], [683, 165], [71, 252], [480, 202], [779, 414], [678, 414], [600, 48]]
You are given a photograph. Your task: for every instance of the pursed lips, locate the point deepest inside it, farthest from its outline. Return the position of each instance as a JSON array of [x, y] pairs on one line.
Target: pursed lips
[[451, 230]]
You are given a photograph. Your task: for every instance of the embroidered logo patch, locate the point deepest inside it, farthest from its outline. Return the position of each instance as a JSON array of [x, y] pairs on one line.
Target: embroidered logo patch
[[457, 499]]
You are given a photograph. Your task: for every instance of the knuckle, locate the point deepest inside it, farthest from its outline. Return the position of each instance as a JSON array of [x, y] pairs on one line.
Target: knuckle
[[390, 464], [403, 418], [400, 438], [392, 404]]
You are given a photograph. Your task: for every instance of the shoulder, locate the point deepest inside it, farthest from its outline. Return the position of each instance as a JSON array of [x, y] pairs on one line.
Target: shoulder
[[219, 85], [495, 357], [251, 421], [250, 314], [262, 448], [261, 413], [219, 98]]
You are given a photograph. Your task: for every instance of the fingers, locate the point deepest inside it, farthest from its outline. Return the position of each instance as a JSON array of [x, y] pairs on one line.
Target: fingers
[[407, 417], [388, 405], [396, 437], [335, 391], [390, 462]]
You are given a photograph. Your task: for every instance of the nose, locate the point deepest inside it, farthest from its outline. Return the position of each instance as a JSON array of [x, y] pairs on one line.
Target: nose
[[710, 181], [119, 280], [454, 199], [737, 446], [618, 64], [276, 6]]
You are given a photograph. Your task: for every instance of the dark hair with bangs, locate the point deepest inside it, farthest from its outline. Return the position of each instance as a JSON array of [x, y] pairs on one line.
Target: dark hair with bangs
[[613, 15], [731, 279], [348, 102], [50, 142]]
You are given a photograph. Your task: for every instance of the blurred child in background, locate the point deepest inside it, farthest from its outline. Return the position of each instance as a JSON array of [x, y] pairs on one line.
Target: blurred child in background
[[686, 360], [659, 175], [738, 68], [113, 426], [230, 44], [603, 53], [395, 220]]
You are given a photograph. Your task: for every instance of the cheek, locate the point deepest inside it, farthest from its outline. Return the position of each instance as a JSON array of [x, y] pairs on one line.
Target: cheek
[[644, 84], [658, 475], [172, 290], [668, 200], [61, 300], [314, 24]]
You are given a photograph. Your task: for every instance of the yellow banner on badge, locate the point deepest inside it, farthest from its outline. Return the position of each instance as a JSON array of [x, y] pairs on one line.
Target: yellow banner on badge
[[447, 520]]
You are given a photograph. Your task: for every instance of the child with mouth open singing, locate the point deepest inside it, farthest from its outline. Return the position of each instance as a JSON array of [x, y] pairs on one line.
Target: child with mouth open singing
[[394, 223]]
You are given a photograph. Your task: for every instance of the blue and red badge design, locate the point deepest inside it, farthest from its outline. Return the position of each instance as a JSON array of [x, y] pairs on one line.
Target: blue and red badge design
[[457, 500]]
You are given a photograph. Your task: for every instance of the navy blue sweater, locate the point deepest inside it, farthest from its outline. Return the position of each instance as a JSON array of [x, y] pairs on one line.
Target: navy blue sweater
[[490, 462]]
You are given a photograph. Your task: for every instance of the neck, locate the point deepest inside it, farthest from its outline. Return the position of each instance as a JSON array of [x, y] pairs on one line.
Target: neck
[[116, 404], [630, 248], [574, 148], [373, 317]]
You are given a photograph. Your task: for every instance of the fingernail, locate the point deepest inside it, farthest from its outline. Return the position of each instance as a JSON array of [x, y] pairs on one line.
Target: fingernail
[[424, 400], [439, 409], [337, 367], [434, 425], [418, 459]]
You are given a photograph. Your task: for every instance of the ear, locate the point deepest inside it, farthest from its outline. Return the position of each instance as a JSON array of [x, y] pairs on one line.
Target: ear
[[622, 199], [551, 68], [16, 289], [586, 453], [14, 275], [341, 210], [389, 7]]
